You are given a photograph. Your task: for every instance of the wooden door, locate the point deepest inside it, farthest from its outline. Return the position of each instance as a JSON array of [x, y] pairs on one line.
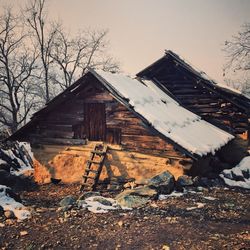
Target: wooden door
[[95, 121]]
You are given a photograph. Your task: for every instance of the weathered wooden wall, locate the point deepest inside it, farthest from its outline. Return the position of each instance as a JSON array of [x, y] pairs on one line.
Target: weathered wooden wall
[[66, 123], [197, 96]]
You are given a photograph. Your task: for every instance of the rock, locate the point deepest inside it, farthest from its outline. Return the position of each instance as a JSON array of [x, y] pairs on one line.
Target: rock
[[113, 187], [183, 181], [6, 178], [13, 195], [66, 208], [1, 211], [103, 201], [135, 197], [5, 166], [120, 223], [9, 214], [67, 201], [202, 181], [132, 201], [23, 233], [88, 194], [81, 203], [142, 182], [163, 183], [205, 182], [237, 176], [200, 189], [131, 185], [246, 173]]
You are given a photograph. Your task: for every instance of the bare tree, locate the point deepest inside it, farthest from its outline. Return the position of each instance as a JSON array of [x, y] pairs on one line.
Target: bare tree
[[44, 35], [238, 59], [16, 68], [238, 50], [73, 56]]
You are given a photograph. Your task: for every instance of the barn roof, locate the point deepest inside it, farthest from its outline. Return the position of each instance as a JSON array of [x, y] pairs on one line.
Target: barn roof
[[233, 95], [159, 112], [165, 115]]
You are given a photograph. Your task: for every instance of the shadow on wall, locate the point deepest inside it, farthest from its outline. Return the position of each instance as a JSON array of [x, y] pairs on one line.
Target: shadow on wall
[[59, 162], [126, 165], [68, 163]]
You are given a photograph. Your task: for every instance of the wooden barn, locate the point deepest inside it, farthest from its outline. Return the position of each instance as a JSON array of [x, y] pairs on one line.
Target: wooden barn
[[194, 90], [147, 130]]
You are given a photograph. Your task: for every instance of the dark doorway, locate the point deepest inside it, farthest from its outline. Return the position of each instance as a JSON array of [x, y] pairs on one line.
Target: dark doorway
[[95, 121]]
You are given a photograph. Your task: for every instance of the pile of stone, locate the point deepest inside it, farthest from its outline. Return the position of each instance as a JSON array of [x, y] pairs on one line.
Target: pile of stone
[[136, 194], [161, 184]]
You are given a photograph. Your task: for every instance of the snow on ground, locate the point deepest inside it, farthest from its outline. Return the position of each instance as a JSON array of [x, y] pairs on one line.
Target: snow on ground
[[24, 164], [9, 203], [198, 205], [97, 207], [173, 194], [166, 115], [238, 176]]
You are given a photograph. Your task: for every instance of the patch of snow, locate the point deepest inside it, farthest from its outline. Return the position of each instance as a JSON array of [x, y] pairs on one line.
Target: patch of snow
[[166, 115], [173, 194], [97, 207], [238, 176], [198, 205], [24, 164], [209, 198], [27, 146], [2, 161], [9, 203], [193, 192]]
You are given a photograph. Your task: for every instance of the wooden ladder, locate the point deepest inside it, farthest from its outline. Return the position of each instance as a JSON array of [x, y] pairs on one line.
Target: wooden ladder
[[93, 167]]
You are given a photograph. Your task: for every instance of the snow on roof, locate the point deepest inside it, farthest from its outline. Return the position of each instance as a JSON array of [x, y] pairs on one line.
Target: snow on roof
[[166, 115]]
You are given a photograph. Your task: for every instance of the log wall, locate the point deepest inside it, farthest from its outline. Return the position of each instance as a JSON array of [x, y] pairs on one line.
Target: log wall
[[65, 124], [195, 95]]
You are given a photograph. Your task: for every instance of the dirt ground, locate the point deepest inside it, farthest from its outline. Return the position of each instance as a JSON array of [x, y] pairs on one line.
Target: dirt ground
[[222, 223]]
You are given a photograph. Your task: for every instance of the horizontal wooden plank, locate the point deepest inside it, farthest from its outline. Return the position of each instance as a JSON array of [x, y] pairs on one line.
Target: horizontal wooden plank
[[59, 141], [57, 134]]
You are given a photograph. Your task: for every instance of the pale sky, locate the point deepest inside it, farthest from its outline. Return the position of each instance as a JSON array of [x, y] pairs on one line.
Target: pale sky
[[140, 30]]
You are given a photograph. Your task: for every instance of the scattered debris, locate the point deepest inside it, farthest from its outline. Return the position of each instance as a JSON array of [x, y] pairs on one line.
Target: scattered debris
[[209, 198], [23, 233], [199, 205]]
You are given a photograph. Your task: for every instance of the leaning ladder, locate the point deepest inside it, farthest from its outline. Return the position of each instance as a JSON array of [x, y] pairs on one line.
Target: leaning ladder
[[94, 166]]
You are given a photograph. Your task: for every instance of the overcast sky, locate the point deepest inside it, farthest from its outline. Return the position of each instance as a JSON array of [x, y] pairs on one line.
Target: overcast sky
[[140, 30]]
